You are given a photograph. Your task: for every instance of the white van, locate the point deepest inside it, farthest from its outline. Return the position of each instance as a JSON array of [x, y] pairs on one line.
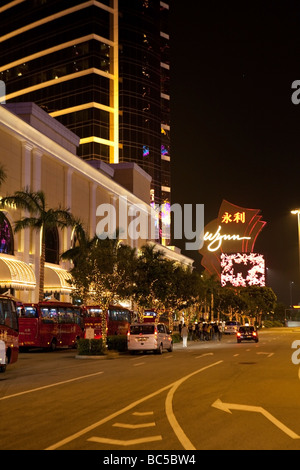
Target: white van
[[149, 337], [231, 327]]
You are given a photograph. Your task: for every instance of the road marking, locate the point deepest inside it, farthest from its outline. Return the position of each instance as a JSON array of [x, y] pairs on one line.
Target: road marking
[[257, 409], [131, 442], [134, 426], [267, 353], [183, 439], [235, 355], [143, 413], [132, 405], [205, 354], [49, 386], [138, 364]]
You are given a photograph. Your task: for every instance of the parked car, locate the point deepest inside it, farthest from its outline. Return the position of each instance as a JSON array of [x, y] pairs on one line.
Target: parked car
[[149, 337], [247, 333], [231, 327]]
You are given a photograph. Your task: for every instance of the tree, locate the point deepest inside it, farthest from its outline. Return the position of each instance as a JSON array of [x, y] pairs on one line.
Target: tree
[[209, 287], [41, 219], [184, 289], [102, 272], [80, 257], [149, 281], [257, 301]]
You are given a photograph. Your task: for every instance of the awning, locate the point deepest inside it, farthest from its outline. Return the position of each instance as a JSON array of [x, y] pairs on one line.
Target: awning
[[16, 274], [56, 279]]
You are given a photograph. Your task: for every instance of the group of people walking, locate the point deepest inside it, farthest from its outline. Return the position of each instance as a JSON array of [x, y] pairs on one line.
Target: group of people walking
[[201, 332]]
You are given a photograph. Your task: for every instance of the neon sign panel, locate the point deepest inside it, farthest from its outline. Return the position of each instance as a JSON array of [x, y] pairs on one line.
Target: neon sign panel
[[235, 230], [216, 239], [242, 269]]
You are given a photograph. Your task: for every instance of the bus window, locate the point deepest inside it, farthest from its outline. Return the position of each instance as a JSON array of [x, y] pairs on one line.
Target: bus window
[[94, 312], [2, 317], [14, 316], [62, 316], [8, 319], [49, 315], [29, 312]]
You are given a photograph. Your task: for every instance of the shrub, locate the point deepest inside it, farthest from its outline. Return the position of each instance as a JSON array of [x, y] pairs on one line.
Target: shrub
[[90, 347], [272, 323], [176, 337], [117, 343]]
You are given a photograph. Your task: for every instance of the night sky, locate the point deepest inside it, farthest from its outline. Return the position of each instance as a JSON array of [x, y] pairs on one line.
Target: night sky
[[235, 131]]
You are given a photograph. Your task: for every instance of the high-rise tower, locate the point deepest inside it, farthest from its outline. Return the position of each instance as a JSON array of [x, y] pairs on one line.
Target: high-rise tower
[[102, 69]]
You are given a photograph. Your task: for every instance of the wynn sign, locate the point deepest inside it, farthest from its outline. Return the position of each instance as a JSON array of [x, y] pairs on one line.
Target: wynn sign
[[233, 232]]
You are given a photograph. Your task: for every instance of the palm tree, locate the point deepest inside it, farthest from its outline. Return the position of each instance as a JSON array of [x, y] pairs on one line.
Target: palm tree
[[41, 219], [3, 175]]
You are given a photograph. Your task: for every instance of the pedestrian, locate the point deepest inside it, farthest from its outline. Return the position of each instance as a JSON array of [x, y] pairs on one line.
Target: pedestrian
[[184, 335], [220, 329], [215, 331], [208, 332], [204, 331]]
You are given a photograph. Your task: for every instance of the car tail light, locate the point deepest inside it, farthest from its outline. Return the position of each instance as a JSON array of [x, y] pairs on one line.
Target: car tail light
[[254, 333], [238, 334]]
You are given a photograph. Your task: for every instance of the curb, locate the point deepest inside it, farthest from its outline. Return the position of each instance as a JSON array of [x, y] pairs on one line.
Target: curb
[[110, 355]]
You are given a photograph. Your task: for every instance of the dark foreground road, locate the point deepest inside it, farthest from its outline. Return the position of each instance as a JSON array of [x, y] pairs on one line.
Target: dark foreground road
[[213, 395]]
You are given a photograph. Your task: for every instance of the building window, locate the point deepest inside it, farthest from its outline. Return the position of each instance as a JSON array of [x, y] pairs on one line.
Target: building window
[[52, 246], [6, 238]]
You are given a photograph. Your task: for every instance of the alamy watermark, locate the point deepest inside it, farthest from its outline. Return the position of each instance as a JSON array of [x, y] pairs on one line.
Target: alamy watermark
[[2, 92], [138, 221], [296, 354]]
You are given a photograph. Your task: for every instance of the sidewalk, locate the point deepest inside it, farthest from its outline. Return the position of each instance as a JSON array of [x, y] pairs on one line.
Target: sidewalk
[[211, 344]]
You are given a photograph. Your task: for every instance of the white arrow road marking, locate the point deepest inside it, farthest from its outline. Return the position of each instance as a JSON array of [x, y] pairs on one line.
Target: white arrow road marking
[[168, 406], [130, 442], [267, 353], [257, 409], [134, 426], [206, 354]]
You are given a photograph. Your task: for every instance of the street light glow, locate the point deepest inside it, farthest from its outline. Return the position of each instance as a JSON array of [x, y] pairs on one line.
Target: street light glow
[[297, 211]]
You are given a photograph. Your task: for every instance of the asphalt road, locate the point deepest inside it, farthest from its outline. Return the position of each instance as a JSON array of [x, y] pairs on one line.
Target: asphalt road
[[210, 396]]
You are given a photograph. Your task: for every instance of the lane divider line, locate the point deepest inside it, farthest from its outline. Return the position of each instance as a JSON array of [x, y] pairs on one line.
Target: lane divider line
[[49, 386]]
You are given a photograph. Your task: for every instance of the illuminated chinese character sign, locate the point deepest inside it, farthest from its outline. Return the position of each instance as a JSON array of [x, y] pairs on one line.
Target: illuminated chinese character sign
[[242, 269], [235, 230]]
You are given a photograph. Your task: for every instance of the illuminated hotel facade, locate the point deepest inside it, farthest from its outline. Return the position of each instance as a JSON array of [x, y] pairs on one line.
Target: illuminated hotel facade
[[40, 153], [102, 70]]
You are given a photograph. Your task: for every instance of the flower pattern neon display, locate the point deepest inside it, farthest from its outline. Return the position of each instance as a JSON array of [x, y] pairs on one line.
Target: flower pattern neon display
[[6, 238], [242, 269]]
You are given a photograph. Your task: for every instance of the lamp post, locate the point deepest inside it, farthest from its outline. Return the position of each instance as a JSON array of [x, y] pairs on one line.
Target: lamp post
[[297, 211]]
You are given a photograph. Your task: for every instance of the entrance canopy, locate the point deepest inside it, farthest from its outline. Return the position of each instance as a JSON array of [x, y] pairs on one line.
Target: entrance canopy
[[56, 279], [16, 274]]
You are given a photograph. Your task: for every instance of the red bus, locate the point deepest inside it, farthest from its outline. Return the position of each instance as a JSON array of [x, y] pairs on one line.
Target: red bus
[[151, 316], [50, 325], [118, 320], [9, 332]]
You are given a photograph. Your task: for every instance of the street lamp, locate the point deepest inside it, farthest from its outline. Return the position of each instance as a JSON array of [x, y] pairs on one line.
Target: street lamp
[[297, 211]]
